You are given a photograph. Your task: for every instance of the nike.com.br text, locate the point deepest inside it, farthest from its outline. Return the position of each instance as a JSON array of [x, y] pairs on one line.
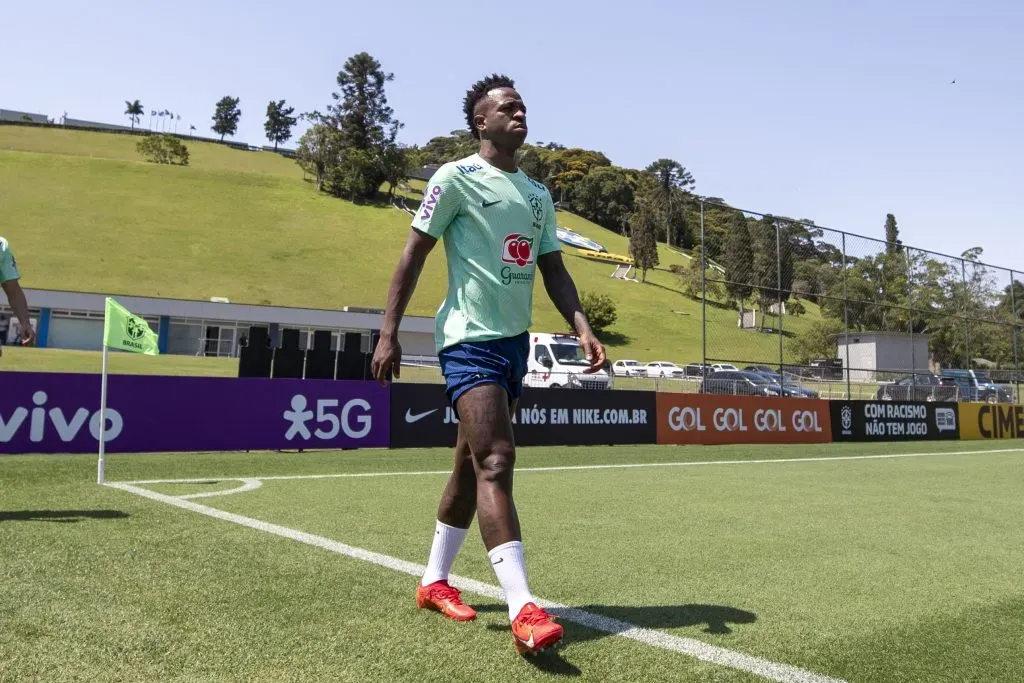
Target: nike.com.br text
[[565, 416]]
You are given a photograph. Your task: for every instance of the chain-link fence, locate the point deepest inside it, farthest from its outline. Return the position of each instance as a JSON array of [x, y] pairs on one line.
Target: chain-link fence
[[792, 308]]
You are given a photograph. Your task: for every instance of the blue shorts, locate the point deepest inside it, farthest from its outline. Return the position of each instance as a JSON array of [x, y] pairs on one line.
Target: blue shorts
[[499, 361]]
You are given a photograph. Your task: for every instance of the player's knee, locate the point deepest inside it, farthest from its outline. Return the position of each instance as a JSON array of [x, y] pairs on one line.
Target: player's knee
[[497, 465]]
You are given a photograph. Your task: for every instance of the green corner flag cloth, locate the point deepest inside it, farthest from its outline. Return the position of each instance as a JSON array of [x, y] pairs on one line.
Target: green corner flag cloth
[[127, 332]]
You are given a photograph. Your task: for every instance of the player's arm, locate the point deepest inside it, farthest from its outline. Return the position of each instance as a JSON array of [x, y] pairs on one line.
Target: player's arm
[[9, 276], [388, 354], [440, 205], [562, 291]]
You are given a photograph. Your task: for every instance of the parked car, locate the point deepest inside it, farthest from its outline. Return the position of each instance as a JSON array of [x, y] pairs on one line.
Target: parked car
[[790, 387], [723, 367], [827, 368], [695, 370], [926, 387], [975, 385], [661, 368], [759, 368], [739, 383], [628, 368], [557, 361]]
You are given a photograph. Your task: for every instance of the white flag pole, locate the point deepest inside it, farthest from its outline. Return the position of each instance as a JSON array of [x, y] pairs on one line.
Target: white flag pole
[[100, 474]]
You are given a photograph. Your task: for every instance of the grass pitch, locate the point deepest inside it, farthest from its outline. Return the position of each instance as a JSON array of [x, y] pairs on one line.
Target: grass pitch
[[853, 568]]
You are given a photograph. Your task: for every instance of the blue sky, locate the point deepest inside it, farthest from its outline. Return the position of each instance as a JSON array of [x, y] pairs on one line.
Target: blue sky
[[838, 112]]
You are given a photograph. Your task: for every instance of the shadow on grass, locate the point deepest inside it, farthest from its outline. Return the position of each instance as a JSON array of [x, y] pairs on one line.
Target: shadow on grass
[[696, 299], [610, 620], [59, 516], [614, 338]]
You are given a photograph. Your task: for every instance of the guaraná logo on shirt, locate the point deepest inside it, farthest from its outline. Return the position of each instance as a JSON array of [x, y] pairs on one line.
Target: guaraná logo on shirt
[[518, 249]]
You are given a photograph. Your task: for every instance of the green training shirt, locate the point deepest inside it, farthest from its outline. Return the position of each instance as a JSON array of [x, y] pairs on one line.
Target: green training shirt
[[494, 225], [8, 268]]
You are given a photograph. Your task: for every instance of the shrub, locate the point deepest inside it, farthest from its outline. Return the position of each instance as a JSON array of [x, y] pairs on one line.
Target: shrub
[[600, 310], [163, 149]]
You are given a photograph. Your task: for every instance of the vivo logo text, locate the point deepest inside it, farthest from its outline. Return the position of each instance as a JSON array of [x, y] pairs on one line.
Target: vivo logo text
[[39, 421]]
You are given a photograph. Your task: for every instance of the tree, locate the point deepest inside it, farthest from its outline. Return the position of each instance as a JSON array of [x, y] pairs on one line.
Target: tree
[[643, 231], [605, 197], [773, 265], [163, 149], [534, 162], [134, 111], [319, 151], [695, 280], [599, 309], [738, 261], [279, 122], [893, 245], [395, 164], [444, 148], [567, 167], [672, 180], [818, 341], [670, 173], [226, 115], [366, 123]]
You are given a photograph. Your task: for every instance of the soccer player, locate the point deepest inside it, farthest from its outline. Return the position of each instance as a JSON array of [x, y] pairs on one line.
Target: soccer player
[[498, 227], [9, 277]]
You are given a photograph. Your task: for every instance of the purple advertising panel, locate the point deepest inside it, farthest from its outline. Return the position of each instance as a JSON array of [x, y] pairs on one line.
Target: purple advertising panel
[[59, 413]]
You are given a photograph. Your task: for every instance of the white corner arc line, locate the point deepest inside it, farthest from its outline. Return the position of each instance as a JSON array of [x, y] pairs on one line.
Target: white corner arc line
[[569, 468], [248, 484], [774, 671]]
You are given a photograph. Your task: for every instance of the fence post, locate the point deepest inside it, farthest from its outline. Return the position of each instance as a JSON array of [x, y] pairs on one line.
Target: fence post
[[778, 284], [846, 323], [963, 316], [703, 293], [1016, 331], [910, 324]]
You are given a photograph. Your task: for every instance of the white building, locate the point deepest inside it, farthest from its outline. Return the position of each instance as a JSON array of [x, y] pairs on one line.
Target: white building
[[74, 320], [868, 353]]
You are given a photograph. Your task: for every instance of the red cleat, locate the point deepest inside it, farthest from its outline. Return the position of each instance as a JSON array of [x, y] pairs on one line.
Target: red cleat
[[445, 599], [534, 630]]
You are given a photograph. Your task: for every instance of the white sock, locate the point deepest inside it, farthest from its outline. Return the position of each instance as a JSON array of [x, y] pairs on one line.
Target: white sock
[[507, 563], [447, 541]]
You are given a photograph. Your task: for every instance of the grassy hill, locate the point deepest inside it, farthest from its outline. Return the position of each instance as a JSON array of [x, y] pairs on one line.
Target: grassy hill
[[84, 212]]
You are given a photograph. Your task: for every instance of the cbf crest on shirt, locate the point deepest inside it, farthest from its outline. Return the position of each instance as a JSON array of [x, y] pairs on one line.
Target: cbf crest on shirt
[[494, 226]]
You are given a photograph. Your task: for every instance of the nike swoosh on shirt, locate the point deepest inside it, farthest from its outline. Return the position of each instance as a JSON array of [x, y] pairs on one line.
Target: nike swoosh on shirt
[[410, 417], [486, 204]]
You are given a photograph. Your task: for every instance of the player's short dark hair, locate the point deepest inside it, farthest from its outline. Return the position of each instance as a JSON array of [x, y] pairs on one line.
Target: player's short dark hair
[[477, 93]]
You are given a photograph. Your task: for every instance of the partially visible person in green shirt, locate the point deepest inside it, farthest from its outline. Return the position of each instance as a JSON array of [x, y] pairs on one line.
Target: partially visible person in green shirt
[[9, 281]]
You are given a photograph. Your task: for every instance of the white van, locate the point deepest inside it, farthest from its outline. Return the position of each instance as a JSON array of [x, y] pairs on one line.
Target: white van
[[556, 360]]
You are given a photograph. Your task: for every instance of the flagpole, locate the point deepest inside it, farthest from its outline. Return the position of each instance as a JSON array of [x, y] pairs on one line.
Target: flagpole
[[100, 474]]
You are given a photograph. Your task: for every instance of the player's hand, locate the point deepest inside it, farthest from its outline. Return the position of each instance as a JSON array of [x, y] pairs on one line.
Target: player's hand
[[28, 335], [387, 356], [593, 351]]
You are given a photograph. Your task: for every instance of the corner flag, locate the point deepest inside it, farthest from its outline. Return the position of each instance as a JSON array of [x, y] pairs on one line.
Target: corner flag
[[126, 332]]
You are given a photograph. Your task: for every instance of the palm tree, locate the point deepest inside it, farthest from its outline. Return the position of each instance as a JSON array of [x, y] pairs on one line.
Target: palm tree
[[134, 110]]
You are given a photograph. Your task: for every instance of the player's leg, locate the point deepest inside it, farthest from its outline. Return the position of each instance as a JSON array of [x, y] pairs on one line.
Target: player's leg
[[454, 515], [484, 414]]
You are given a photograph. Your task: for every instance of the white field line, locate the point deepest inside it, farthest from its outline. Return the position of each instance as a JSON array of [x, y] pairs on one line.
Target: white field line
[[774, 671], [247, 485], [569, 468]]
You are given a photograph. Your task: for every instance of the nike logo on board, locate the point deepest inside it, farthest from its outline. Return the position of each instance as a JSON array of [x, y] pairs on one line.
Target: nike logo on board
[[410, 417]]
